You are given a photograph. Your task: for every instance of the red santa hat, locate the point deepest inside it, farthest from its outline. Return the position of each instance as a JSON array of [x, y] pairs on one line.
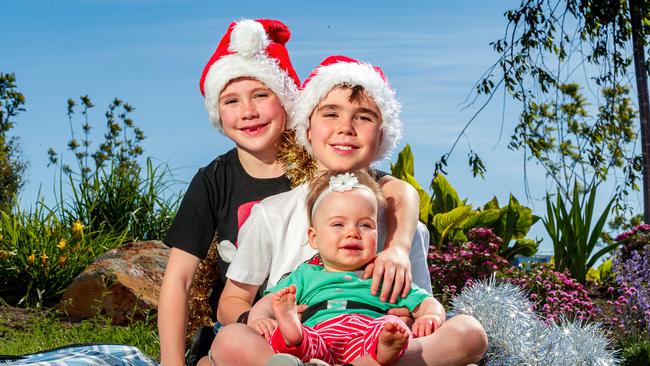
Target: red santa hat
[[251, 48], [344, 71]]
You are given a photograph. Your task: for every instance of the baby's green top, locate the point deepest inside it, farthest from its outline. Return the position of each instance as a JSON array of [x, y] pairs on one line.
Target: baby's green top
[[314, 285]]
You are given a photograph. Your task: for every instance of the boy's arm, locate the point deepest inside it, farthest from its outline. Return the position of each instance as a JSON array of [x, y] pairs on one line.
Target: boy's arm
[[392, 265], [236, 298], [173, 307], [429, 316]]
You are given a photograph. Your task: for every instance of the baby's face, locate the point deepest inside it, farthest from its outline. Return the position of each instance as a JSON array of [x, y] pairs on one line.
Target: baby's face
[[345, 230]]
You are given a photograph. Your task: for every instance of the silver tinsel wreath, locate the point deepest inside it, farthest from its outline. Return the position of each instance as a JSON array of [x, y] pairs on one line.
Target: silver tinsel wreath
[[517, 336]]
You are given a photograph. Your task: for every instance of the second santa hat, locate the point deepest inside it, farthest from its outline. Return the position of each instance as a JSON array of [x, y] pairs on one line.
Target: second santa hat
[[341, 70], [250, 48]]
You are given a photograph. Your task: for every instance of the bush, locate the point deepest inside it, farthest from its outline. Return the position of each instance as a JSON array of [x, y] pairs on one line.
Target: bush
[[12, 166], [40, 255], [458, 264], [113, 200], [554, 294], [448, 218], [111, 191]]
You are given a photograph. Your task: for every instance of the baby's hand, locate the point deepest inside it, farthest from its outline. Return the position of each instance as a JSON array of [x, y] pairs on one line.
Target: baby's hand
[[425, 325], [263, 326]]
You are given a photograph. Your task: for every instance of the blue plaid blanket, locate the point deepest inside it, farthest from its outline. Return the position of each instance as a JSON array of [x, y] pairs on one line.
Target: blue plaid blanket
[[84, 354]]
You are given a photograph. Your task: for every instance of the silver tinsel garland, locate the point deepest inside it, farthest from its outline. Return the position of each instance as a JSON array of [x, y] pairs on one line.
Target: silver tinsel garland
[[517, 336]]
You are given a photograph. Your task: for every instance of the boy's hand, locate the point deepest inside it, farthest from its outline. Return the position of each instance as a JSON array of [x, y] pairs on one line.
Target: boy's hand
[[264, 326], [391, 269], [425, 325]]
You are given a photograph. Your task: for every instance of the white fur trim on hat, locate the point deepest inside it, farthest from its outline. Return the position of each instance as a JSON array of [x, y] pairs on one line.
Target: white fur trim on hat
[[350, 74], [261, 67]]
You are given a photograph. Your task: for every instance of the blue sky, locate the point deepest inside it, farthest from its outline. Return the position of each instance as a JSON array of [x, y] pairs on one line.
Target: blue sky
[[151, 54]]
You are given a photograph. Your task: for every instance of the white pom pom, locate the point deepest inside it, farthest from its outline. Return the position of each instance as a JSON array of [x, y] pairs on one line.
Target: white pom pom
[[248, 38]]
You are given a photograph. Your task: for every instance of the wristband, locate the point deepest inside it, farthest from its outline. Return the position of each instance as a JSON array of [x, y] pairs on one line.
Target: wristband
[[243, 318]]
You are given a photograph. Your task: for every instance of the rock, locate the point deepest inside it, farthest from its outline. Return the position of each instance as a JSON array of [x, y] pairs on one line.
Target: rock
[[122, 284]]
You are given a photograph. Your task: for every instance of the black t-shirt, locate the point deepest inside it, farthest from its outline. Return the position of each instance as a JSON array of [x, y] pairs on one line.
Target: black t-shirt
[[219, 200]]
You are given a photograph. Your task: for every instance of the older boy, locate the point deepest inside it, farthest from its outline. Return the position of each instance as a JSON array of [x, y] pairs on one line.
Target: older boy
[[347, 117]]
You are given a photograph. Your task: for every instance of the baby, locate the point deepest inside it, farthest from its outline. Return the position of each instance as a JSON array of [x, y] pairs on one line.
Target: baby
[[343, 320]]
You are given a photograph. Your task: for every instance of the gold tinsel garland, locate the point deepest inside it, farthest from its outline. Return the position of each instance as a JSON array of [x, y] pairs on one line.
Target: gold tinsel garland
[[299, 166], [206, 275]]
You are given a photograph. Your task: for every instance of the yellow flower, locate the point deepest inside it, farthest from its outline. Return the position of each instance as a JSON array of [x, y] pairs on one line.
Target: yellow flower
[[62, 260], [43, 259], [1, 237], [62, 244], [77, 227], [30, 259]]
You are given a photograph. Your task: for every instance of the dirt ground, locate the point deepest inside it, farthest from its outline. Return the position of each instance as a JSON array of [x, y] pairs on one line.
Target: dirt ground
[[18, 318], [15, 317]]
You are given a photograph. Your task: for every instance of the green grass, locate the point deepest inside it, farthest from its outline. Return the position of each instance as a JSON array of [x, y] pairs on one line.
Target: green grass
[[41, 331]]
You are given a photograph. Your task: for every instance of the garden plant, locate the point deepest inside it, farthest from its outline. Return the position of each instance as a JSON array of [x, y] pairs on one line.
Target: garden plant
[[449, 218], [113, 200], [574, 234]]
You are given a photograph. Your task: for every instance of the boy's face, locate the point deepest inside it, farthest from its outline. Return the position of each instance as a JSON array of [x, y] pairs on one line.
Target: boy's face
[[345, 230], [252, 115], [345, 135]]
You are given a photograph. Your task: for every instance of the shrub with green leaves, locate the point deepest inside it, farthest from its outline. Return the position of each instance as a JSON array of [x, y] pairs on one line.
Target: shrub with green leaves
[[111, 190], [113, 199], [40, 255], [449, 218], [12, 166]]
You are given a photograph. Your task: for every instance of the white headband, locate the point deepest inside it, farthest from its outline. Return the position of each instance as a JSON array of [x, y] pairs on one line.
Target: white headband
[[340, 183]]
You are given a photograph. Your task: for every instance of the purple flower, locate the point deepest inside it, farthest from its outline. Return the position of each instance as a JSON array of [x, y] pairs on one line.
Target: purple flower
[[631, 269]]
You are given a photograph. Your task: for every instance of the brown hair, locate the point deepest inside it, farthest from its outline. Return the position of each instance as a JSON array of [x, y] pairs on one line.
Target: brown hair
[[357, 93], [321, 181]]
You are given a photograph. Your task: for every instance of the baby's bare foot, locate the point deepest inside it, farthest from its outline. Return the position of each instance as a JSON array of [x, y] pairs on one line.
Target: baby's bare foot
[[392, 340], [284, 310]]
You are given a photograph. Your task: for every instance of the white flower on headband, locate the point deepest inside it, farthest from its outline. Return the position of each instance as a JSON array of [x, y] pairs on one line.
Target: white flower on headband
[[343, 182]]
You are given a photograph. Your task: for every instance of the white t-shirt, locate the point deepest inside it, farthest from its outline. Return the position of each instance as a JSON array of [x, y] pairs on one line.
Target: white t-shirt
[[273, 242]]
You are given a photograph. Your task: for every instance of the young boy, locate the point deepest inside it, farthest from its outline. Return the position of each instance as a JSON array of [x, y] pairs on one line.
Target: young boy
[[249, 87], [343, 321], [348, 117], [274, 236]]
